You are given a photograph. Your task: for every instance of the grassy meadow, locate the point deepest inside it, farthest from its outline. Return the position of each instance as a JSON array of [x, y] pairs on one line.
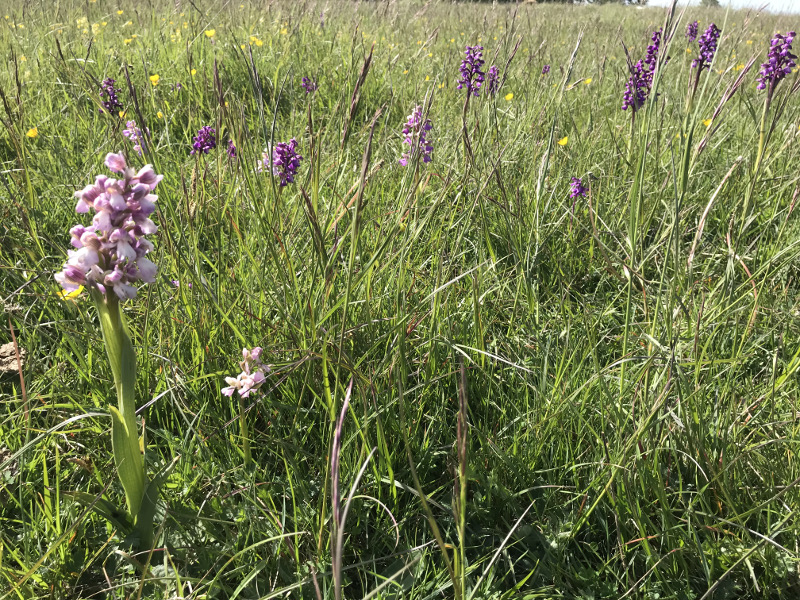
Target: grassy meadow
[[479, 386]]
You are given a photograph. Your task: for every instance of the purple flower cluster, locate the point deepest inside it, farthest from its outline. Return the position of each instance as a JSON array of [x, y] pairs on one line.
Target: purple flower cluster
[[780, 61], [471, 74], [708, 47], [576, 188], [134, 134], [637, 88], [112, 252], [285, 161], [416, 132], [251, 377], [309, 85], [641, 79], [651, 57], [109, 92], [204, 141], [493, 79], [545, 69], [691, 31]]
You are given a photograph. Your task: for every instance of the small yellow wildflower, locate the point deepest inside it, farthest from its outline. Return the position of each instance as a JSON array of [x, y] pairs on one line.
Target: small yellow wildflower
[[587, 81], [563, 141], [122, 114], [688, 51], [210, 33], [20, 26], [154, 79], [119, 12], [451, 39], [22, 58], [509, 96], [749, 42], [259, 43], [284, 31], [67, 295], [405, 72], [707, 122], [33, 132], [127, 41], [427, 77], [160, 115], [430, 54], [194, 72]]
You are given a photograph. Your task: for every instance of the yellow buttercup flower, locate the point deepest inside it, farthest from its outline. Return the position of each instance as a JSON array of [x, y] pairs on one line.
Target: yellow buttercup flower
[[210, 33], [33, 132], [122, 114], [194, 72], [427, 77], [688, 51], [154, 79], [563, 141], [67, 295], [707, 122], [749, 42], [284, 31], [127, 41], [160, 115], [119, 12], [509, 96], [587, 81], [259, 43]]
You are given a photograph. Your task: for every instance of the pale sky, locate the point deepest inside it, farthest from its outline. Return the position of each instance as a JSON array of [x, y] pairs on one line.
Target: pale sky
[[787, 6]]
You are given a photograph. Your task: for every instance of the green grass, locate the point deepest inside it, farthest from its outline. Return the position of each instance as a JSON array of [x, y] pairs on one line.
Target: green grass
[[629, 418]]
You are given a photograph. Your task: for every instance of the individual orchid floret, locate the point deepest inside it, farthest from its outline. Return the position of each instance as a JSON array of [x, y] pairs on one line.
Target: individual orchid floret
[[545, 69], [416, 131], [112, 252], [204, 141], [251, 377], [471, 74], [285, 161], [231, 149]]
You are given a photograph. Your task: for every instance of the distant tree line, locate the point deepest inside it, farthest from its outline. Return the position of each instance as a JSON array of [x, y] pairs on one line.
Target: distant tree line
[[626, 2]]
